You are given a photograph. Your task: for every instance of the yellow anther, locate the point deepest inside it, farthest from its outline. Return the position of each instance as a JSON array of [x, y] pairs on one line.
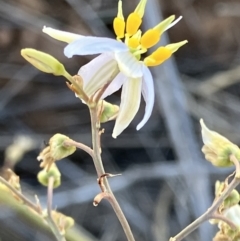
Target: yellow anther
[[161, 27], [158, 56], [118, 22], [174, 47], [140, 8], [133, 23], [119, 27], [133, 42], [150, 38]]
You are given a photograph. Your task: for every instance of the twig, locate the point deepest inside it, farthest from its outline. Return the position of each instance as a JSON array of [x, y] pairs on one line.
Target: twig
[[49, 218], [80, 146], [37, 219], [100, 172], [211, 211], [25, 200]]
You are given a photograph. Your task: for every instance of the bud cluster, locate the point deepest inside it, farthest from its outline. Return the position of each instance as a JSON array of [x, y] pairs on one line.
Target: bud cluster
[[229, 209]]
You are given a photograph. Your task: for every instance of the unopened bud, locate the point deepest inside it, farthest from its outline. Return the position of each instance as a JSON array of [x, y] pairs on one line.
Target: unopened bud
[[43, 176], [55, 151], [108, 111], [217, 148], [43, 61], [231, 200]]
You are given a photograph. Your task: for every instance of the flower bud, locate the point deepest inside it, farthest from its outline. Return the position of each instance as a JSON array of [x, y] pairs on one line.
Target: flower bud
[[42, 61], [217, 148], [231, 200], [62, 221], [15, 152], [233, 214], [108, 111], [55, 151], [43, 176]]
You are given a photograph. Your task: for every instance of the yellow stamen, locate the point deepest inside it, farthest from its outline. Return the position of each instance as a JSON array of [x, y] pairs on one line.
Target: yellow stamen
[[158, 56], [133, 42], [150, 38], [161, 27], [174, 47], [133, 23], [120, 12], [119, 27], [140, 8], [118, 22]]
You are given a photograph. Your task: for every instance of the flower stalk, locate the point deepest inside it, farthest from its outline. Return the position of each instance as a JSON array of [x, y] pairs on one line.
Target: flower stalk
[[95, 125], [49, 218]]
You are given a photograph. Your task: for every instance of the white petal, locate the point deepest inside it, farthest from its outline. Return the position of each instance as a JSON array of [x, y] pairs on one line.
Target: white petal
[[61, 35], [207, 134], [130, 102], [128, 64], [89, 70], [93, 45], [115, 85], [173, 23], [148, 95], [101, 71]]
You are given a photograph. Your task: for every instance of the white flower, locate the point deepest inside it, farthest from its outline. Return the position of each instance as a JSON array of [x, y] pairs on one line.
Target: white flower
[[122, 58]]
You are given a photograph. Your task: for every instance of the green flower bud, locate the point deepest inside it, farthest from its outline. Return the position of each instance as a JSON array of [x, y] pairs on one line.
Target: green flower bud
[[55, 151], [42, 61], [108, 111], [217, 148], [43, 176], [58, 149]]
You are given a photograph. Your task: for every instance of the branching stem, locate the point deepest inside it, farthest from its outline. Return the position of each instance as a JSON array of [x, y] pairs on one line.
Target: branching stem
[[100, 172], [209, 214]]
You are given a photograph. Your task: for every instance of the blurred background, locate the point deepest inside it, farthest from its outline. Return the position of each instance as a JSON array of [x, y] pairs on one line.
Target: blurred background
[[165, 182]]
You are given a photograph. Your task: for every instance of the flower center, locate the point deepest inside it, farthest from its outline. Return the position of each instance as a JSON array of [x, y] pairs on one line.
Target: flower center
[[137, 43]]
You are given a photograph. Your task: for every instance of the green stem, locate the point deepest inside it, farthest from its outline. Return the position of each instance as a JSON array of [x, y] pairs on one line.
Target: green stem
[[100, 171], [49, 218], [25, 200]]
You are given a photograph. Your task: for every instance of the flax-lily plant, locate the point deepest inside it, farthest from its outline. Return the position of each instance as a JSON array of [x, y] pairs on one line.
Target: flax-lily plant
[[123, 56], [118, 65]]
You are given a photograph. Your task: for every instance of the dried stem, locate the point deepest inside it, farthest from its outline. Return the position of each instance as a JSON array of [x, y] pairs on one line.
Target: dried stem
[[209, 214], [100, 172], [49, 218]]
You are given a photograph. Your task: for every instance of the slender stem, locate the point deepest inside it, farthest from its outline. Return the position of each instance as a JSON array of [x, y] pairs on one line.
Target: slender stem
[[25, 200], [80, 146], [211, 211], [49, 218], [36, 207], [224, 219], [100, 171]]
